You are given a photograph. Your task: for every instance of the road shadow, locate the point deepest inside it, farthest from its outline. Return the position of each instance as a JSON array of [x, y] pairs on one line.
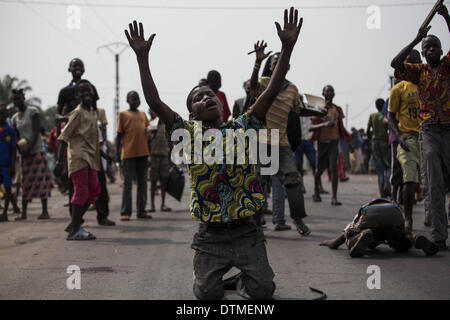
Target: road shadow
[[137, 229], [139, 241]]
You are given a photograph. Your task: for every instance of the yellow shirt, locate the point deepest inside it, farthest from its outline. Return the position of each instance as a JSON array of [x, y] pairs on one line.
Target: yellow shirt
[[277, 116], [404, 101]]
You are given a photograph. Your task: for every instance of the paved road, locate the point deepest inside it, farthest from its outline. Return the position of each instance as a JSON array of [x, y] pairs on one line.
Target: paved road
[[153, 260]]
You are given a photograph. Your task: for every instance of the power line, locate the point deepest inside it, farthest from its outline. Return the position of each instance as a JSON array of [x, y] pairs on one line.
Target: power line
[[26, 3], [102, 20], [165, 7], [363, 111]]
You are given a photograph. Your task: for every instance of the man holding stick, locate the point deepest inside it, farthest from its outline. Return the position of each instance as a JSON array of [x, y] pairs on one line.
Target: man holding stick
[[434, 134]]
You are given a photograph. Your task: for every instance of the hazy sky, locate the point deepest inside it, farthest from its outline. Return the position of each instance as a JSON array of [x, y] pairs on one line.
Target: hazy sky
[[335, 46]]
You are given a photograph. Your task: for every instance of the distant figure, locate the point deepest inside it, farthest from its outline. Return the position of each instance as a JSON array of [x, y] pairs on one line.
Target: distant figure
[[36, 178], [215, 83], [241, 105], [131, 132], [159, 162], [328, 130], [377, 131], [7, 159]]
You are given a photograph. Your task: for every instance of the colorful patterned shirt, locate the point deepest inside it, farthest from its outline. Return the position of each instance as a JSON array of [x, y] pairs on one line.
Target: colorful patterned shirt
[[224, 192], [434, 89]]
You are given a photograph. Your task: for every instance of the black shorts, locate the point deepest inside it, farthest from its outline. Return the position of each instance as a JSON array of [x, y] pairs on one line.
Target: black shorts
[[327, 156]]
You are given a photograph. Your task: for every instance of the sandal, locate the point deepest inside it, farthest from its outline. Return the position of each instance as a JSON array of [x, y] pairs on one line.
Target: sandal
[[334, 202], [124, 218], [82, 235], [165, 209], [316, 198], [144, 216], [302, 228], [43, 216]]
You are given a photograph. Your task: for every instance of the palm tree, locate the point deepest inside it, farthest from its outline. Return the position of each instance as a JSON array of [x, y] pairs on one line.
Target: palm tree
[[8, 83]]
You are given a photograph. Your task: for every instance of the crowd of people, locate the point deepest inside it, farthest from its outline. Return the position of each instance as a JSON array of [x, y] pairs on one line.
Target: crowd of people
[[406, 143]]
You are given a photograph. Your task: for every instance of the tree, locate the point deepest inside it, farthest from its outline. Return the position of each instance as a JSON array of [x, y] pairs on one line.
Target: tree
[[8, 83]]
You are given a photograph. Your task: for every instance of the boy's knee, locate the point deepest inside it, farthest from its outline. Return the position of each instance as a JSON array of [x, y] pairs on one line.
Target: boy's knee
[[205, 293], [264, 291]]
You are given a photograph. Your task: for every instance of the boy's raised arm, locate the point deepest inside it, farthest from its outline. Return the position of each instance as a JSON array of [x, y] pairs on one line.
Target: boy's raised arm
[[142, 47], [288, 36], [397, 62], [260, 56]]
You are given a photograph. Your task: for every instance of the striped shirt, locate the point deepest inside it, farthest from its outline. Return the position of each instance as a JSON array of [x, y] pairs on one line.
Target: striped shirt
[[277, 116]]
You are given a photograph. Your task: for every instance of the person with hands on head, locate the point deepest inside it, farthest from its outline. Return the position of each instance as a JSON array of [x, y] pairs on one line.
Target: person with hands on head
[[36, 178], [227, 233], [404, 106], [432, 81]]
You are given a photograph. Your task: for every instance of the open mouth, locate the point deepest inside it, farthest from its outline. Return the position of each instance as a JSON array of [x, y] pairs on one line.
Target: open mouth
[[210, 105]]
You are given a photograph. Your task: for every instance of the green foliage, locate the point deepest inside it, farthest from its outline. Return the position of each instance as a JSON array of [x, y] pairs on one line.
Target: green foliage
[[8, 83]]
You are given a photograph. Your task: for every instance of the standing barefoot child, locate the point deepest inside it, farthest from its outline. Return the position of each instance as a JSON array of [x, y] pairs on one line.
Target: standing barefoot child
[[83, 158], [223, 197]]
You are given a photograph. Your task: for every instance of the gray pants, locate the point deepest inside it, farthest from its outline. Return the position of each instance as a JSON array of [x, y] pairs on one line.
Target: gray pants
[[134, 168], [292, 181], [434, 143], [219, 248]]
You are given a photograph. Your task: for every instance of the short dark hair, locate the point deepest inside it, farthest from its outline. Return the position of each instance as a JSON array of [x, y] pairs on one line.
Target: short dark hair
[[379, 104], [415, 55], [213, 75], [132, 92], [329, 86], [432, 36], [189, 97], [82, 81], [75, 60]]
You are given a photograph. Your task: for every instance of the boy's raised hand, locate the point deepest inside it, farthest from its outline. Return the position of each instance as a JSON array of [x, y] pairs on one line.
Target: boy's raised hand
[[442, 10], [136, 39], [259, 51], [422, 33], [291, 29]]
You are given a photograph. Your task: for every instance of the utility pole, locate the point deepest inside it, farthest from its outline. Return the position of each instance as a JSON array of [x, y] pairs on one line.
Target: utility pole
[[391, 79], [119, 48]]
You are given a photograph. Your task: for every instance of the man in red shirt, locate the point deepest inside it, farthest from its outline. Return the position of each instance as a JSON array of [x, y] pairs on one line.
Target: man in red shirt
[[215, 82]]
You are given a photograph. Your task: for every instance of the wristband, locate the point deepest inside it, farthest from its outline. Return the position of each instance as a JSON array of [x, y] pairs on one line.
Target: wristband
[[257, 66]]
